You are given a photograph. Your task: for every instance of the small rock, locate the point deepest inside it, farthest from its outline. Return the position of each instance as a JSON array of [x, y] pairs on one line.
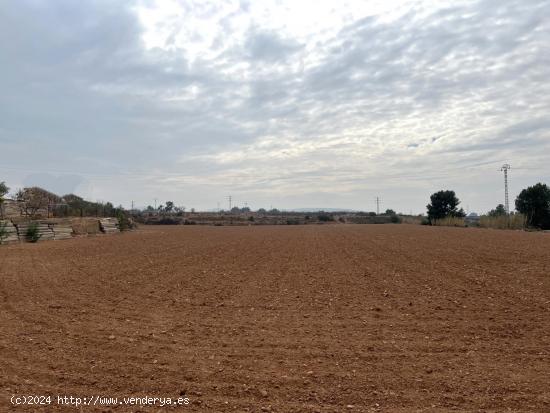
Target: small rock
[[263, 393], [111, 337]]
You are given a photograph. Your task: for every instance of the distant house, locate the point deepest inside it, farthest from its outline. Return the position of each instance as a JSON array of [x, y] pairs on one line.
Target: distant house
[[472, 218]]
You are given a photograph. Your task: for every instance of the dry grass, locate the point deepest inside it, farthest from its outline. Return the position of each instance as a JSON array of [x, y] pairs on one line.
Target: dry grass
[[450, 222], [516, 221], [84, 226], [409, 219]]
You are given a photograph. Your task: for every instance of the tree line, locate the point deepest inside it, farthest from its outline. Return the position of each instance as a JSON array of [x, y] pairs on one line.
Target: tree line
[[33, 201], [533, 202]]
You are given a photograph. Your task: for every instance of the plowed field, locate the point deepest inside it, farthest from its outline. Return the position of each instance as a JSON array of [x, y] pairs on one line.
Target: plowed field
[[335, 318]]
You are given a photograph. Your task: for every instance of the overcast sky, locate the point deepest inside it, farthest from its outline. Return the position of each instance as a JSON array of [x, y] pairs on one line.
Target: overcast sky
[[279, 103]]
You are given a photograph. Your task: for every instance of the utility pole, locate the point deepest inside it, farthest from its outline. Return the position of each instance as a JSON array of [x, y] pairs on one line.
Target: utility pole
[[377, 206], [505, 169], [230, 199], [155, 204], [132, 206]]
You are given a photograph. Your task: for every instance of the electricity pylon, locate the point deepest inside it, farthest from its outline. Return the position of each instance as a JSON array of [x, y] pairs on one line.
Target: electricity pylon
[[505, 169]]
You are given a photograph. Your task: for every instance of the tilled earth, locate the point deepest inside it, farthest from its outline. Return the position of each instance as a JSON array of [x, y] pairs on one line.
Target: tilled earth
[[334, 318]]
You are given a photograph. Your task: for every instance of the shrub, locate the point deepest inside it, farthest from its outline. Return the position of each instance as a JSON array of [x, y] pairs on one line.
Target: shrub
[[3, 191], [395, 219], [3, 231], [167, 221], [325, 218], [32, 232], [124, 223]]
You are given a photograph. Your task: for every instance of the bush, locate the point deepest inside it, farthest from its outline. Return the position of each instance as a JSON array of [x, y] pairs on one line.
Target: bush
[[167, 221], [3, 232], [395, 219], [292, 222], [325, 218], [32, 232], [124, 223]]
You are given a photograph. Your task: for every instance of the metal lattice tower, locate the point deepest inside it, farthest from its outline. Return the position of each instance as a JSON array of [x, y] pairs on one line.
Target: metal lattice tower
[[505, 169]]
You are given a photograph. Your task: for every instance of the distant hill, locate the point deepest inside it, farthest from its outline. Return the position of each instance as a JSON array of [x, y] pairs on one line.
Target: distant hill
[[318, 210]]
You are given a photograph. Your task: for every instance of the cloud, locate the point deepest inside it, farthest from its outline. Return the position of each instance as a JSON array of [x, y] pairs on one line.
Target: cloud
[[269, 47], [290, 103]]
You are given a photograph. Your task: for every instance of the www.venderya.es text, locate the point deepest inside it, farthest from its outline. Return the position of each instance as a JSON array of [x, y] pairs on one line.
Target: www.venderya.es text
[[97, 400]]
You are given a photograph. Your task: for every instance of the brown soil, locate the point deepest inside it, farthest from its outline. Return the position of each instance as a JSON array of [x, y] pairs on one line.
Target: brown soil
[[348, 318]]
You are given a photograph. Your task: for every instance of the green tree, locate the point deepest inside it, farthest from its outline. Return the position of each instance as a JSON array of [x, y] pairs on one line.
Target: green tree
[[169, 206], [534, 203], [3, 191], [498, 211], [444, 204]]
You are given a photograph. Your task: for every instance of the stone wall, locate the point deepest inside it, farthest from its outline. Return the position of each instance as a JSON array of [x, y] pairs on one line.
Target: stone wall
[[16, 229]]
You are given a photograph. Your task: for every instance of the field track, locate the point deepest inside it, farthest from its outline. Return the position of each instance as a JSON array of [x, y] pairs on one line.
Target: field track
[[335, 318]]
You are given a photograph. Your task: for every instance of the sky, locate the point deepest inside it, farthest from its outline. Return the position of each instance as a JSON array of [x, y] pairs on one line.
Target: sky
[[286, 104]]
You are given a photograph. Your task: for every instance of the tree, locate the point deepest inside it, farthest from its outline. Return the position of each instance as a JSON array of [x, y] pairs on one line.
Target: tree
[[36, 199], [498, 211], [75, 203], [169, 206], [444, 204], [534, 203], [389, 212], [3, 191]]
